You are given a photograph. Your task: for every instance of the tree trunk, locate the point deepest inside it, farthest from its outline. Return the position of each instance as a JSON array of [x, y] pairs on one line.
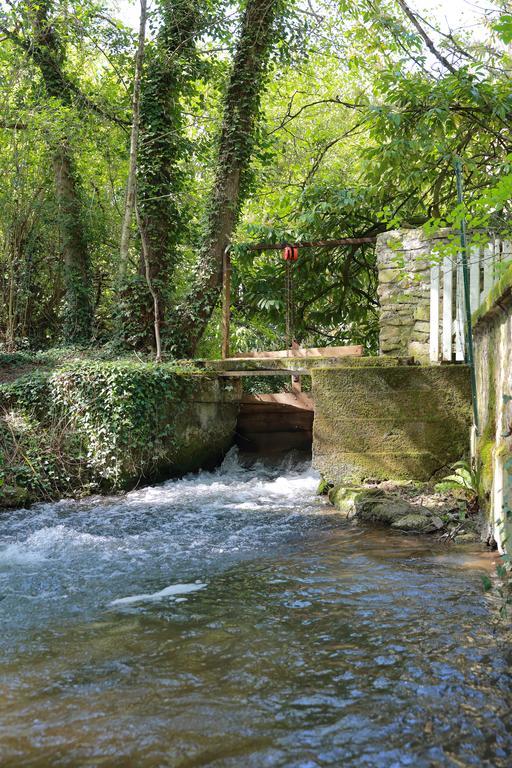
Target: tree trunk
[[162, 149], [134, 142], [241, 111], [154, 295], [48, 53], [77, 276]]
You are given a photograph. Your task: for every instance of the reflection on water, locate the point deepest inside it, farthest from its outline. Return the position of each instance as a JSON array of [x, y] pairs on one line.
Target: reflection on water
[[232, 619]]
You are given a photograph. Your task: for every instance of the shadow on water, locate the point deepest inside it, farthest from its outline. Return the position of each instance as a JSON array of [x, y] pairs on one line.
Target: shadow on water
[[313, 642]]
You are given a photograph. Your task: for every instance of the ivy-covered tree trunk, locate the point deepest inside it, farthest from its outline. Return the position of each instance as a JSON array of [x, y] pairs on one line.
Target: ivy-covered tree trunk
[[77, 274], [130, 200], [241, 112], [162, 147], [48, 53]]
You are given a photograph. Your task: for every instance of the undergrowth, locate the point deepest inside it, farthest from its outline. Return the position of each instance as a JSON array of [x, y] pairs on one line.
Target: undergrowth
[[88, 425]]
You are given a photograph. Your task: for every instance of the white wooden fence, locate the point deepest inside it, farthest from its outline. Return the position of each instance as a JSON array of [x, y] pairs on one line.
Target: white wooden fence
[[447, 311]]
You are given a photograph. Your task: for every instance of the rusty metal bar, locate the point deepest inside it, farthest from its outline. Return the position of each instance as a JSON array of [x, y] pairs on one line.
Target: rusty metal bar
[[311, 243]]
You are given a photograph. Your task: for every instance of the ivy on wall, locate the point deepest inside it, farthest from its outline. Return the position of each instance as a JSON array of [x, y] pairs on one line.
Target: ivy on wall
[[89, 425]]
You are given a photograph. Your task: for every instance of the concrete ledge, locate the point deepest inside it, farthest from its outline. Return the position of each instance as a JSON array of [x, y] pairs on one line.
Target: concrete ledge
[[283, 366]]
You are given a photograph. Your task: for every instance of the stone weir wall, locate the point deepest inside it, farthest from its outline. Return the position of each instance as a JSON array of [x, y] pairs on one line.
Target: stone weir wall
[[206, 424], [492, 325], [109, 425], [383, 420]]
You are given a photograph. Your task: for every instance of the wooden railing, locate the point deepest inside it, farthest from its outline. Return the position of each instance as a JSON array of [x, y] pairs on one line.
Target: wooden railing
[[447, 311]]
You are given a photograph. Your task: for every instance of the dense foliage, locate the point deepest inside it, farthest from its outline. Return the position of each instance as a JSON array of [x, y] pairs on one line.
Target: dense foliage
[[78, 425], [264, 120]]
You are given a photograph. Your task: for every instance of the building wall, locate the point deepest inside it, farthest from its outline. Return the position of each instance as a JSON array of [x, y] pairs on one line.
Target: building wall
[[492, 333]]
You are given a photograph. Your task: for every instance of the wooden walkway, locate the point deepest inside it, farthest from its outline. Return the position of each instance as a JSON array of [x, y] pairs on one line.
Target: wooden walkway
[[293, 362]]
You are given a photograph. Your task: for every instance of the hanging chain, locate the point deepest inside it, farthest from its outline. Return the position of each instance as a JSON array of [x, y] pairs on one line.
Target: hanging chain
[[290, 309]]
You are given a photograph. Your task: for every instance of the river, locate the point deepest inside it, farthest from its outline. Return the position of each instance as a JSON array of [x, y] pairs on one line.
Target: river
[[234, 619]]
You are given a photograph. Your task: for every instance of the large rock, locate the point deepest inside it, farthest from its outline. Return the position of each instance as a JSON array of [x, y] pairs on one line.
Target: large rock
[[375, 507], [409, 508], [419, 523]]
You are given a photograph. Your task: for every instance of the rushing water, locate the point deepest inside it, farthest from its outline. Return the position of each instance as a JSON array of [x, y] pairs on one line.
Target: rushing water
[[232, 619]]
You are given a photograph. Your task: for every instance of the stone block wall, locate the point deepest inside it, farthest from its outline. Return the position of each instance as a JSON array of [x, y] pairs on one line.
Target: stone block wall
[[403, 261], [206, 425], [492, 334], [389, 421]]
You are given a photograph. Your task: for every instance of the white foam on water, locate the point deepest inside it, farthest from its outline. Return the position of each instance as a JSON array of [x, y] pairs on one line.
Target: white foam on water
[[171, 591], [87, 551], [52, 542], [18, 554]]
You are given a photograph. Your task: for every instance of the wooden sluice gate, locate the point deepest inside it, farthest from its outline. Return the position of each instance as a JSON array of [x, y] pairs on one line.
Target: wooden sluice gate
[[282, 421], [275, 423]]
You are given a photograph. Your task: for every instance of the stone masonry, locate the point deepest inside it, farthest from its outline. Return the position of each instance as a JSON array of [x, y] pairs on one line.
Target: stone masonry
[[403, 260]]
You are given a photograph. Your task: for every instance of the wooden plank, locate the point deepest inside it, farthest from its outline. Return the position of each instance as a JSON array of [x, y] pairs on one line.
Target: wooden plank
[[503, 256], [262, 372], [434, 313], [447, 307], [267, 422], [459, 313], [348, 351], [302, 401], [275, 442], [474, 258]]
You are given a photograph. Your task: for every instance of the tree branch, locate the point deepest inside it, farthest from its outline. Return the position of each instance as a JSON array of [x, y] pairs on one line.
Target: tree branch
[[426, 39]]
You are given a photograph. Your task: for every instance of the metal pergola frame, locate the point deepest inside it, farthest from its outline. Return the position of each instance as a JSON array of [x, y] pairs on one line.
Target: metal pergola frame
[[226, 271]]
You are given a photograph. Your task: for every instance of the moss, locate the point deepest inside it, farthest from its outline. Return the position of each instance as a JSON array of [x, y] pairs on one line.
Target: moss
[[15, 496], [413, 522], [486, 441], [301, 363], [401, 422], [498, 292], [343, 498], [486, 453], [323, 487]]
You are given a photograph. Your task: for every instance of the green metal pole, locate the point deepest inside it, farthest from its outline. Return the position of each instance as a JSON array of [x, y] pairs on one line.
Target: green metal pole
[[465, 273]]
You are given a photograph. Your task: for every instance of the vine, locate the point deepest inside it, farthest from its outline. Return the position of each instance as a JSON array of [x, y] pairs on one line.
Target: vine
[[232, 178], [171, 63]]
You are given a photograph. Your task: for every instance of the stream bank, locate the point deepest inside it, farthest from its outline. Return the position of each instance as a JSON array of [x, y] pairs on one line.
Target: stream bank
[[82, 426], [412, 508]]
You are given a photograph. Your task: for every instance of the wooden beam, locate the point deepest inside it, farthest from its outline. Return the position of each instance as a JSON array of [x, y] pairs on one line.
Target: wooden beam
[[354, 350], [302, 401], [262, 372], [312, 243]]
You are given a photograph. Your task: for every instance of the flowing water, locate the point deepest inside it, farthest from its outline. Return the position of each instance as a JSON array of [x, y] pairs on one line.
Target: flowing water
[[233, 619]]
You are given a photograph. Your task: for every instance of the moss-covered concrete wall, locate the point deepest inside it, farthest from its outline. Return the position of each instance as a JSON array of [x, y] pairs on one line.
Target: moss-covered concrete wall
[[492, 325], [205, 424], [389, 422]]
